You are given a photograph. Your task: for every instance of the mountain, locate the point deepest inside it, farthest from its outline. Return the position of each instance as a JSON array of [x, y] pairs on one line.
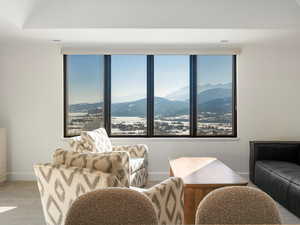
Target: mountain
[[135, 108], [212, 94], [85, 107], [220, 105], [165, 107], [211, 100], [162, 106], [183, 94]]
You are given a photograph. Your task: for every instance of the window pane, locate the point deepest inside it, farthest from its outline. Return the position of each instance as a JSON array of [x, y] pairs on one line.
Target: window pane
[[214, 95], [129, 93], [85, 91], [171, 91]]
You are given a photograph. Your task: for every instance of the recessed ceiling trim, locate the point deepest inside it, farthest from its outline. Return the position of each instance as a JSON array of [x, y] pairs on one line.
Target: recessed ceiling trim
[[208, 51]]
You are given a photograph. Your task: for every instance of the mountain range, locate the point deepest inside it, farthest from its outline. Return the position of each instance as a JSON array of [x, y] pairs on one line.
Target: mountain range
[[182, 94], [212, 98]]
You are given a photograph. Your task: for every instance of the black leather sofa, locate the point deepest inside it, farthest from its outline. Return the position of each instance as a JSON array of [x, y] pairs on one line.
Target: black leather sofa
[[275, 168]]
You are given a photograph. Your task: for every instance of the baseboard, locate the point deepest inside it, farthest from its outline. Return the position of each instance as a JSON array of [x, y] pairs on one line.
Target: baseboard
[[245, 175], [153, 176], [21, 176], [30, 176], [158, 176]]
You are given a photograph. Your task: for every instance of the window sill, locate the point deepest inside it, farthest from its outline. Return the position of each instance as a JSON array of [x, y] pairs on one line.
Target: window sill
[[171, 139], [168, 139]]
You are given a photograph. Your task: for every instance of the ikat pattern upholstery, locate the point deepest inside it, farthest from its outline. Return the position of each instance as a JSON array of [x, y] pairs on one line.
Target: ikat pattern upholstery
[[139, 178], [167, 198], [76, 144], [135, 151], [116, 163], [137, 164], [96, 141], [60, 185]]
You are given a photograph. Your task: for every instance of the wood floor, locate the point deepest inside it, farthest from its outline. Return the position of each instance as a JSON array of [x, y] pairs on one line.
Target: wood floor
[[20, 205]]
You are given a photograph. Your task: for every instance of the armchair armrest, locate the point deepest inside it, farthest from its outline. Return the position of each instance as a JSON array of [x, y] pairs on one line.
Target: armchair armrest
[[116, 163], [272, 150], [135, 151], [60, 185], [167, 198]]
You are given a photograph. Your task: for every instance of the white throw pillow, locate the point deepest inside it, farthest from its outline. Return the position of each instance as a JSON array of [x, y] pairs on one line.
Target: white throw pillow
[[96, 140]]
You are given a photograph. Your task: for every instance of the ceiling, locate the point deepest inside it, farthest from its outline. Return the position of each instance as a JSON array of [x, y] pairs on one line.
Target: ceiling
[[140, 23]]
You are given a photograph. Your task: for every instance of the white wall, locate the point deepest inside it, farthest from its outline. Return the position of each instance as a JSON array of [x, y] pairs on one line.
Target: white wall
[[31, 108], [30, 105]]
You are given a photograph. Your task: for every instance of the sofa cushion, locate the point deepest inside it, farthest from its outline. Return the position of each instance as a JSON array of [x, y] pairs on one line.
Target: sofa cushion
[[114, 162], [294, 197], [136, 164], [96, 141], [286, 170], [272, 183]]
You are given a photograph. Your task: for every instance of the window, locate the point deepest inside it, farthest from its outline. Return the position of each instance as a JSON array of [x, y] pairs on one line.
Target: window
[[171, 91], [84, 93], [151, 96], [214, 96], [128, 95]]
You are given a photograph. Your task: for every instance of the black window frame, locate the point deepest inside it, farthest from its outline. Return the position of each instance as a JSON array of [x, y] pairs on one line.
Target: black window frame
[[150, 100]]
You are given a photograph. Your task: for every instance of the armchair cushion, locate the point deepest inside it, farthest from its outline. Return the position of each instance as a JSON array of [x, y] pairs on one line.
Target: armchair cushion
[[116, 163], [96, 141]]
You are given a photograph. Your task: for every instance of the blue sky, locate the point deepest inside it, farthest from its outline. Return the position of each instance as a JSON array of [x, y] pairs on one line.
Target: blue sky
[[129, 75], [83, 78], [171, 72], [214, 69]]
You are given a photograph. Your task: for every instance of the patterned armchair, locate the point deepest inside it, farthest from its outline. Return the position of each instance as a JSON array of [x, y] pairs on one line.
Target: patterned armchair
[[97, 141], [60, 185]]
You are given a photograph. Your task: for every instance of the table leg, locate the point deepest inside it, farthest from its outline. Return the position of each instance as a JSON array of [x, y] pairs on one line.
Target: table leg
[[192, 198]]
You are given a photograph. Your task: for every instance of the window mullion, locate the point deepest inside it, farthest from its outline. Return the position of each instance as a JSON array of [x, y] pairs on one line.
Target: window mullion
[[234, 96], [193, 95], [107, 93], [66, 103], [150, 95]]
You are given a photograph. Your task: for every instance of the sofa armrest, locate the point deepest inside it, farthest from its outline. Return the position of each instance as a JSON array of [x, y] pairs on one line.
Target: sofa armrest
[[272, 150], [60, 185], [167, 197], [135, 151]]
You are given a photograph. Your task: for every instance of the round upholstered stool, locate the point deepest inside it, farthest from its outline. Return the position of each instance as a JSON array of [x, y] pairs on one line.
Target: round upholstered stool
[[112, 206], [237, 205]]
